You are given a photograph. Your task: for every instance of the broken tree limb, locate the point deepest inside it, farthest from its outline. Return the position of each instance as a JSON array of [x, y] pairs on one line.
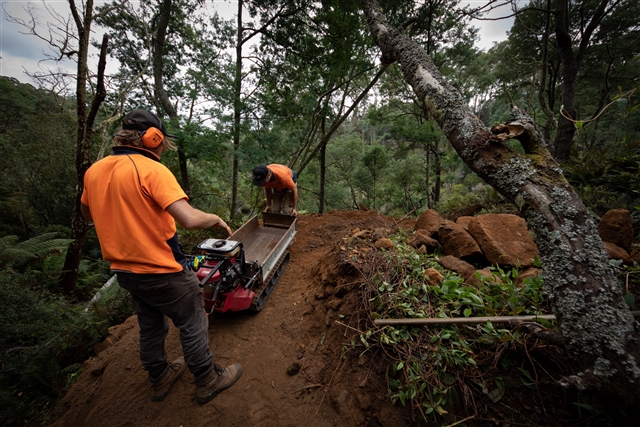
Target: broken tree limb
[[538, 331], [468, 320]]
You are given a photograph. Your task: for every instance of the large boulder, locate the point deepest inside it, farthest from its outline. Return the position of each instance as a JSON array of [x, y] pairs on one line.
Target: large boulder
[[504, 239], [616, 227], [457, 241], [430, 221], [464, 221]]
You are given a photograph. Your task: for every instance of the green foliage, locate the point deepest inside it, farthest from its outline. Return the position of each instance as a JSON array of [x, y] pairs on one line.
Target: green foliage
[[37, 144], [15, 255], [461, 200], [43, 338], [15, 213], [429, 365], [607, 177], [43, 342]]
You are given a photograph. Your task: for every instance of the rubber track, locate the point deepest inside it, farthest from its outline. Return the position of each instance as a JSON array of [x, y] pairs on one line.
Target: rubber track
[[283, 262]]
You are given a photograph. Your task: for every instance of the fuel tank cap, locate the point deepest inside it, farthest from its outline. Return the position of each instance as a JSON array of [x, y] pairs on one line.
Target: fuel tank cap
[[218, 245]]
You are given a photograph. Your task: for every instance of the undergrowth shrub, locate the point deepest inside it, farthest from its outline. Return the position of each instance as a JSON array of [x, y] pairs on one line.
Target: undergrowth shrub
[[445, 372], [607, 177], [461, 201], [44, 338]]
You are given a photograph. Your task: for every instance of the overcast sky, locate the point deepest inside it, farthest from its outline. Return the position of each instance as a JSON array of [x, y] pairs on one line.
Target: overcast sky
[[20, 52]]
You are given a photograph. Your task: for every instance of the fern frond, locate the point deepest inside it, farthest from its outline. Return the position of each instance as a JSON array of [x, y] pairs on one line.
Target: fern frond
[[37, 247]]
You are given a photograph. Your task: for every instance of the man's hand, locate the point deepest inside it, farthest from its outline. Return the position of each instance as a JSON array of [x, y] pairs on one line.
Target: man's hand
[[294, 212], [221, 224]]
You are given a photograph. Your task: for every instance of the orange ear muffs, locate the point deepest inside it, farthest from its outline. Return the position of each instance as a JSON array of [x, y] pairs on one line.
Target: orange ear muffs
[[151, 137]]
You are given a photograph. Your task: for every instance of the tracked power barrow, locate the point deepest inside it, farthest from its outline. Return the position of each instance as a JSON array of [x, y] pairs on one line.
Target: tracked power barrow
[[241, 272]]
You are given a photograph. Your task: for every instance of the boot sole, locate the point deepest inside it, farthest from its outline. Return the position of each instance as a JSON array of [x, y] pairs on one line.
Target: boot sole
[[205, 399]]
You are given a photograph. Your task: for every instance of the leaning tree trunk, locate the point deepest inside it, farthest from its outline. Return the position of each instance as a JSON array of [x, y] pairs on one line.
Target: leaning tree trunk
[[600, 333]]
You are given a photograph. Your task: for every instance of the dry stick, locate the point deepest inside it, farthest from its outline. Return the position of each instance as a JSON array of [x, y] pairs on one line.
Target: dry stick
[[328, 385], [535, 371], [307, 387], [402, 219], [627, 279], [347, 326], [461, 421], [468, 320], [458, 320], [507, 422]]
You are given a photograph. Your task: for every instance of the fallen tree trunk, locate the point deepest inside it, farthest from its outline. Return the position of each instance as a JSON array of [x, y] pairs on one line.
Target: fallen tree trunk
[[601, 335]]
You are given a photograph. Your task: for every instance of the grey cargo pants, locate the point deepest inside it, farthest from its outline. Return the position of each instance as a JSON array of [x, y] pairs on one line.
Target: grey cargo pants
[[176, 296]]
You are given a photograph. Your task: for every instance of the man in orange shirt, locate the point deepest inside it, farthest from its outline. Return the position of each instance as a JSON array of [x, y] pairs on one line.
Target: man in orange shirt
[[134, 202], [280, 184]]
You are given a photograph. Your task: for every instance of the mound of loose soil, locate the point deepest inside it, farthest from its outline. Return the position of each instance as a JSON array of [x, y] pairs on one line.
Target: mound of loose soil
[[291, 352]]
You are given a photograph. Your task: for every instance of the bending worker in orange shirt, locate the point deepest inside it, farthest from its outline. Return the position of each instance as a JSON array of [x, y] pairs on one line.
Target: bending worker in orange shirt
[[281, 187], [134, 202]]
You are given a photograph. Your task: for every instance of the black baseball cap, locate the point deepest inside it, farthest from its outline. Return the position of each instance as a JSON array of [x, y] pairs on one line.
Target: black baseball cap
[[142, 120], [260, 173]]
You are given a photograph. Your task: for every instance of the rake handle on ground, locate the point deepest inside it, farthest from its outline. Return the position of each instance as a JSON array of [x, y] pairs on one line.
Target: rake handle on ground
[[469, 320]]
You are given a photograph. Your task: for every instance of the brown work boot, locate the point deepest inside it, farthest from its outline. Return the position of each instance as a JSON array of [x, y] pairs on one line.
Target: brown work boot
[[160, 389], [217, 381]]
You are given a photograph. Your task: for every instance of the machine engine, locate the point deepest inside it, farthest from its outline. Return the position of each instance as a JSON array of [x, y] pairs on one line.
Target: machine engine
[[220, 272]]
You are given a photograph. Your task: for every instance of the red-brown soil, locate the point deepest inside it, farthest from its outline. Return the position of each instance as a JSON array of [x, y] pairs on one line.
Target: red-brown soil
[[301, 324]]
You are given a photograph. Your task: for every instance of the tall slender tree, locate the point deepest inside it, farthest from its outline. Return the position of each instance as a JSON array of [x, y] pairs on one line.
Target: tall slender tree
[[172, 51], [266, 13], [83, 19]]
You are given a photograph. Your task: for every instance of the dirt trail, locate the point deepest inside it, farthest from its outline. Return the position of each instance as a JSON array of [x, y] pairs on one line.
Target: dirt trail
[[296, 326]]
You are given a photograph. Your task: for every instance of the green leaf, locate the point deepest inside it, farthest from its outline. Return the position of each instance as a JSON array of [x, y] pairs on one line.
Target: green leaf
[[622, 102], [441, 410], [630, 300], [495, 395], [585, 406]]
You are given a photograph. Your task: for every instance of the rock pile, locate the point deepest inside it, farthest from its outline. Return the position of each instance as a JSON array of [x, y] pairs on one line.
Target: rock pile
[[488, 240], [504, 240]]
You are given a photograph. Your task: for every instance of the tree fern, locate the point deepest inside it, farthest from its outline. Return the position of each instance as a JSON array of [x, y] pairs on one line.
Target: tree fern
[[15, 254]]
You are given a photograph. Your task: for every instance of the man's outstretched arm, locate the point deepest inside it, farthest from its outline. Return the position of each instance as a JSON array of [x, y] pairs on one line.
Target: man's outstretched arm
[[192, 218]]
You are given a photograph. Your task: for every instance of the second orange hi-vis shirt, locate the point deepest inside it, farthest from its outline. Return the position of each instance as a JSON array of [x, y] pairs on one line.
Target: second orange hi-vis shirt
[[282, 178]]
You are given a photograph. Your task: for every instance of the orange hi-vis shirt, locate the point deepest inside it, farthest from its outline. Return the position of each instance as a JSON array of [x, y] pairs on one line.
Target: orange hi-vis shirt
[[282, 178], [127, 194]]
